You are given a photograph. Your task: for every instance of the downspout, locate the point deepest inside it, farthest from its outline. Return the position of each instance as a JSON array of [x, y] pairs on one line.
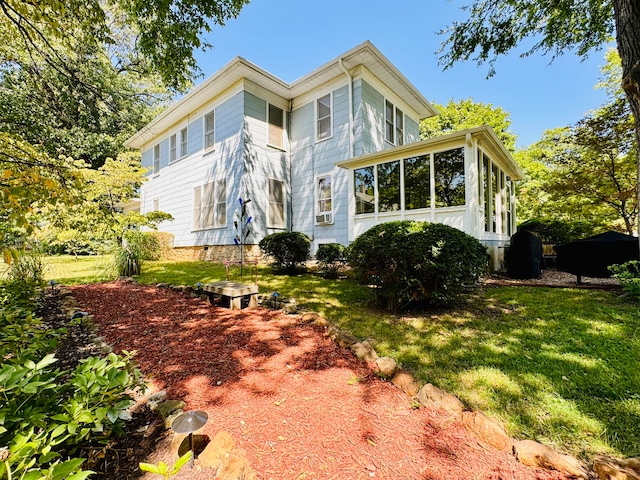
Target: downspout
[[290, 154], [351, 135]]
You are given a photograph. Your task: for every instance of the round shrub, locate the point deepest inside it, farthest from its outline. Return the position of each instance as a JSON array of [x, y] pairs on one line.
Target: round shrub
[[412, 261], [330, 257], [288, 250]]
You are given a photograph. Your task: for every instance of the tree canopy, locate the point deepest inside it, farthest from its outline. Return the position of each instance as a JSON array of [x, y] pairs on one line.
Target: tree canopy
[[458, 115]]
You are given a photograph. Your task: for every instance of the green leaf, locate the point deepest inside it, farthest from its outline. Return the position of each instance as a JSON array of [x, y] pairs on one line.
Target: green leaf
[[182, 461], [46, 361], [63, 470]]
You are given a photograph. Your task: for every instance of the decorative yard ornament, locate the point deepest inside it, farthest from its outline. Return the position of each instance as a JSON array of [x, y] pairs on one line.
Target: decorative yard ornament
[[243, 230], [189, 422]]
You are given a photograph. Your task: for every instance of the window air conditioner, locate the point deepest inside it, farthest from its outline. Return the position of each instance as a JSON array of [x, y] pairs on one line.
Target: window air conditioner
[[324, 218]]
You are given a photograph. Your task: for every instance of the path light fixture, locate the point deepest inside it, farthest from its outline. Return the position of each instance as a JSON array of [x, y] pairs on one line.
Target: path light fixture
[[274, 299], [189, 422], [198, 287], [52, 284]]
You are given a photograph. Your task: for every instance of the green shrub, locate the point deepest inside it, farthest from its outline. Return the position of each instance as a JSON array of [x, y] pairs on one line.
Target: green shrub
[[628, 274], [552, 231], [45, 412], [413, 261], [288, 250], [147, 242], [331, 256], [25, 274], [128, 259]]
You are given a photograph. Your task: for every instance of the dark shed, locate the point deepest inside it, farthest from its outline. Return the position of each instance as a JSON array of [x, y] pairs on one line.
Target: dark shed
[[591, 256]]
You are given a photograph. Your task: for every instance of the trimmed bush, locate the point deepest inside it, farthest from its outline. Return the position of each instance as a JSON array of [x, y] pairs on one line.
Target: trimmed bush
[[413, 261], [331, 256], [288, 250]]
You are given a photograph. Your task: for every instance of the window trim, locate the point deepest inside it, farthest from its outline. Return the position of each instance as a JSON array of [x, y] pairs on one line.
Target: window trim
[[282, 129], [211, 132], [318, 200], [184, 142], [156, 159], [172, 148], [393, 124], [317, 119], [199, 200], [270, 223]]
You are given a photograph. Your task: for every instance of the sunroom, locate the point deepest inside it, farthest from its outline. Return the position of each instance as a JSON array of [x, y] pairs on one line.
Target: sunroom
[[464, 180]]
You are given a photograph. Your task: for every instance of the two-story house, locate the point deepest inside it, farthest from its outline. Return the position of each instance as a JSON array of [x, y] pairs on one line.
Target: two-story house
[[329, 155]]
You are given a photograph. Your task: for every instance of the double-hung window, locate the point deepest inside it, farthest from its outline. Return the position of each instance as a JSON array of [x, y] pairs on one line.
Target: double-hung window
[[276, 126], [183, 142], [172, 147], [209, 127], [210, 205], [323, 117], [276, 203], [156, 159], [393, 124], [324, 208]]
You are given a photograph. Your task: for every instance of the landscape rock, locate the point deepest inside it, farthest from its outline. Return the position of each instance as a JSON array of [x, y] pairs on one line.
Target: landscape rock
[[162, 285], [168, 407], [386, 366], [487, 430], [431, 396], [608, 468], [342, 339], [290, 308], [364, 351], [156, 398], [404, 380], [535, 454], [216, 450]]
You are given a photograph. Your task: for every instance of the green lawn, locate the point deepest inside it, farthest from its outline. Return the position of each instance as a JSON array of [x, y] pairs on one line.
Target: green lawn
[[560, 366]]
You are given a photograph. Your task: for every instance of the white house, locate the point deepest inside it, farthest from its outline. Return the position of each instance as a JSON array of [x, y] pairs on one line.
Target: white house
[[329, 155]]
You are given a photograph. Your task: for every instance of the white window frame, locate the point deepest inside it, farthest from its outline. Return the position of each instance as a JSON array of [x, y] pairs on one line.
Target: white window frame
[[270, 220], [156, 204], [318, 119], [213, 204], [280, 143], [391, 125], [184, 142], [172, 148], [156, 159], [209, 133], [323, 216]]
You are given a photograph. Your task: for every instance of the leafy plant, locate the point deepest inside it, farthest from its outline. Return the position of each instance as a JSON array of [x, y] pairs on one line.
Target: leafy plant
[[147, 242], [128, 259], [287, 249], [163, 469], [628, 274], [413, 261], [331, 256]]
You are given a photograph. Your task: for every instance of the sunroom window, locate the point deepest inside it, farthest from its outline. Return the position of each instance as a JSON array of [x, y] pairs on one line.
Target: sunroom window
[[389, 186], [417, 182], [449, 178], [364, 183]]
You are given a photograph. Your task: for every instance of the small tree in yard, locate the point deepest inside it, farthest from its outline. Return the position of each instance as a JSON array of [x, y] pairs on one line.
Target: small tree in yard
[[417, 261], [287, 249]]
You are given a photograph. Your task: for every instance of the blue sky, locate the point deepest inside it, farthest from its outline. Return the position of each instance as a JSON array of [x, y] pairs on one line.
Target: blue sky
[[290, 38]]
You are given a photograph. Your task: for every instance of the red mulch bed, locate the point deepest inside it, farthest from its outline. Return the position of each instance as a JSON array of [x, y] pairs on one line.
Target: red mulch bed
[[298, 405]]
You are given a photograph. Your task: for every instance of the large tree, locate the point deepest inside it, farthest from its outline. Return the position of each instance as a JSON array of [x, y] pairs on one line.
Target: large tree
[[495, 27], [458, 115]]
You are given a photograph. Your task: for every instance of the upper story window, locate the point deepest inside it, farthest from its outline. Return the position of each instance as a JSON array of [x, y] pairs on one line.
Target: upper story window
[[156, 158], [172, 147], [323, 117], [276, 126], [393, 124], [183, 142], [209, 127], [210, 205], [276, 203], [324, 207]]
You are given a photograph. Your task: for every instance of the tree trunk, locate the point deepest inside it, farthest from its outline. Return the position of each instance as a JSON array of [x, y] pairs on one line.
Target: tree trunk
[[627, 16]]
